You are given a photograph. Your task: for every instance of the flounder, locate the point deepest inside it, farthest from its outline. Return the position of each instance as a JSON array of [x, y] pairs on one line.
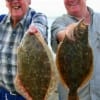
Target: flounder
[[74, 60], [35, 67]]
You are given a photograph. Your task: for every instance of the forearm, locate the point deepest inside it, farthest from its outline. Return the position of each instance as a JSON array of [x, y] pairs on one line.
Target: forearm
[[61, 35], [40, 21]]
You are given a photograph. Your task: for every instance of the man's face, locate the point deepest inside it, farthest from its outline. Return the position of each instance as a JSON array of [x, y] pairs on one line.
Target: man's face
[[74, 7], [17, 8]]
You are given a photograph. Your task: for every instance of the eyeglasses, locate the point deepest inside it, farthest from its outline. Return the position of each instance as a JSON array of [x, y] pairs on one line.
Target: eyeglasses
[[9, 0]]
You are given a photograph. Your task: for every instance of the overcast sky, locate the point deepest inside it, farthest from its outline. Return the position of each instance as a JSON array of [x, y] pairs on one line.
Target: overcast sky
[[52, 7]]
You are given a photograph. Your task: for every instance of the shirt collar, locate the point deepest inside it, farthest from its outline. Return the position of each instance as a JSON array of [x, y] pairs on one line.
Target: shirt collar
[[90, 10]]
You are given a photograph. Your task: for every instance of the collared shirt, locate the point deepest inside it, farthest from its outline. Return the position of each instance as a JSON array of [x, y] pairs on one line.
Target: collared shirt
[[10, 38], [91, 91]]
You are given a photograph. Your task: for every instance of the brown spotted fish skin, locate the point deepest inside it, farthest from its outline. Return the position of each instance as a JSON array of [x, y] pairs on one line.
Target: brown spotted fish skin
[[75, 61], [34, 66]]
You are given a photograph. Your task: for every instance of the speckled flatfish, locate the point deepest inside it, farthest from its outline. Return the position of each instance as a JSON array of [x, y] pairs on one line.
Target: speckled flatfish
[[75, 60], [35, 67]]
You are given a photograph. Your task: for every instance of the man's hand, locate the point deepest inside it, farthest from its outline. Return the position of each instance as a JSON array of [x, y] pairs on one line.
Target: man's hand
[[32, 29], [68, 31]]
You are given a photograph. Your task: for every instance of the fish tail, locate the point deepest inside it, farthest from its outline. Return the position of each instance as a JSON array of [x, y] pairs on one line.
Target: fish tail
[[73, 96]]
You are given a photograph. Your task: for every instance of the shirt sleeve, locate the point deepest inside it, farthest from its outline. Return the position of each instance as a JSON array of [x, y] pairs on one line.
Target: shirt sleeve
[[56, 26], [40, 21]]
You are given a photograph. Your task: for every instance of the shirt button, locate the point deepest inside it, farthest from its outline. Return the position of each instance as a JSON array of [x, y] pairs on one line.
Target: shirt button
[[0, 46], [8, 59], [13, 34], [9, 71]]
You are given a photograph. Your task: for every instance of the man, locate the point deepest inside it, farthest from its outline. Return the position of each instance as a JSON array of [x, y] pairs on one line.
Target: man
[[21, 18], [76, 10]]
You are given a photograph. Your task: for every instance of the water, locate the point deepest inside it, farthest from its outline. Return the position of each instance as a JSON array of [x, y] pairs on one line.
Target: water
[[50, 20]]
